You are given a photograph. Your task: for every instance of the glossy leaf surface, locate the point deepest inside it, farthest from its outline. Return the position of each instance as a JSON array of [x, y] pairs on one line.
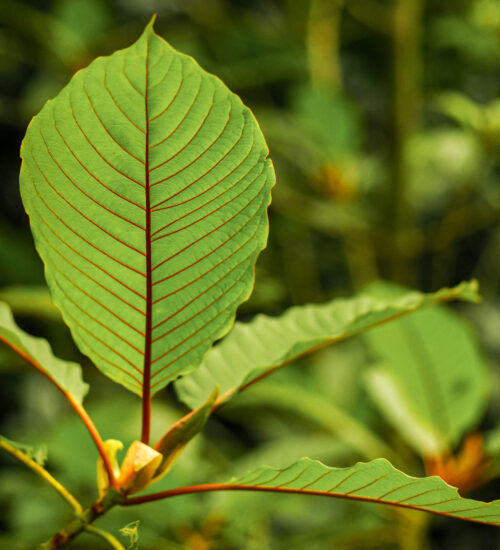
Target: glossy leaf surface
[[146, 182], [432, 380], [66, 375], [375, 481], [254, 348]]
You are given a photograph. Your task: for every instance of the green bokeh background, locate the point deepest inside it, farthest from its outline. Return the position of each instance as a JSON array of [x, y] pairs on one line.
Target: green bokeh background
[[383, 121]]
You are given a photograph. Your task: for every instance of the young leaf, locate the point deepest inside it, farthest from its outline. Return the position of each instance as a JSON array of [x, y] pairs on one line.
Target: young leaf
[[375, 481], [138, 468], [301, 330], [146, 182], [432, 381], [181, 433], [65, 375]]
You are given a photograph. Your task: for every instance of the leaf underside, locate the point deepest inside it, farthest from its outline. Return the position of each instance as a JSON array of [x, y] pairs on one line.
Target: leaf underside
[[147, 182], [375, 481], [66, 375], [274, 341]]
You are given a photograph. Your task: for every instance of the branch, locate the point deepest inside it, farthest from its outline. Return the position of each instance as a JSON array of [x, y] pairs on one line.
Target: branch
[[209, 487], [42, 472], [79, 409], [83, 523], [108, 537]]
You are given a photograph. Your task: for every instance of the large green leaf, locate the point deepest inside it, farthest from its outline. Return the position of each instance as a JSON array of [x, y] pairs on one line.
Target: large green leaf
[[146, 182], [66, 375], [375, 481], [432, 381], [252, 349]]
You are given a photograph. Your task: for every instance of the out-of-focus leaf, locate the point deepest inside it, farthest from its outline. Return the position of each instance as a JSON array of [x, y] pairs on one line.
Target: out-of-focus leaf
[[432, 382], [315, 408], [376, 481], [330, 119], [30, 300], [66, 375], [440, 163], [276, 341]]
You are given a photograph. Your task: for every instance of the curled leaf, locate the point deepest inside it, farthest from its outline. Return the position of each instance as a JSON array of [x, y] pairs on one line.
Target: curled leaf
[[172, 443], [138, 468]]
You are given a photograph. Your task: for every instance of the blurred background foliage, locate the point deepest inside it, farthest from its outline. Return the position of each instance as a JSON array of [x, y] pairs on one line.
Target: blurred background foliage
[[383, 121]]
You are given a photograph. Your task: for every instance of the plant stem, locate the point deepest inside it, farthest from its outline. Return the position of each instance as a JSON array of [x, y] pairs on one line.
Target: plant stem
[[407, 75], [80, 411], [108, 537], [42, 472], [62, 538], [323, 43]]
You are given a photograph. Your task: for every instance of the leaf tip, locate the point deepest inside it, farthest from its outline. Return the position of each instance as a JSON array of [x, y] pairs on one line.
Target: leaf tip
[[150, 26]]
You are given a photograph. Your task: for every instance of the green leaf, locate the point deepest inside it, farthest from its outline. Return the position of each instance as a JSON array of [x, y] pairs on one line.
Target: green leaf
[[66, 375], [375, 481], [30, 300], [432, 381], [181, 433], [147, 182], [276, 341], [38, 453]]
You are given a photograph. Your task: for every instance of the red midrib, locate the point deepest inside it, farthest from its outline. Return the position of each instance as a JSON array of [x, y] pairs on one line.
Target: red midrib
[[146, 388]]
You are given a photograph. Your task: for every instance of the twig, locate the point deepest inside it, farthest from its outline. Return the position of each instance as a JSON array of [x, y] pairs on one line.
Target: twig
[[108, 537], [42, 472]]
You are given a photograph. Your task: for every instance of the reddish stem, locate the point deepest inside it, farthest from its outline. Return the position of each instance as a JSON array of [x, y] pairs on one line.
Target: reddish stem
[[131, 501], [79, 409]]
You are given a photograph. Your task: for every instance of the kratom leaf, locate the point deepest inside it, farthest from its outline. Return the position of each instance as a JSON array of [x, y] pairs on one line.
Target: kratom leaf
[[181, 433], [432, 381], [66, 375], [276, 341], [30, 300], [375, 481], [146, 182]]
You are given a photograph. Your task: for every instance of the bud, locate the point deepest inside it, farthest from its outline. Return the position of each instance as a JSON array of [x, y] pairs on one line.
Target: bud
[[138, 468]]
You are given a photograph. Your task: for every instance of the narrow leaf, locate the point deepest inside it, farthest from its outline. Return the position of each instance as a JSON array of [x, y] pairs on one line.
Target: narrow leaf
[[30, 300], [147, 182], [432, 381], [181, 433], [375, 481], [301, 330], [66, 375]]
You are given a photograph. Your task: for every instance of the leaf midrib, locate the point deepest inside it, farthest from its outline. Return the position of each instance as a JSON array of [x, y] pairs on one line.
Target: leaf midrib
[[146, 386]]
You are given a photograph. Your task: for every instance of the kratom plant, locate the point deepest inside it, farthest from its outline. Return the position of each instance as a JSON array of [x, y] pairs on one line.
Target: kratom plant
[[147, 184]]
